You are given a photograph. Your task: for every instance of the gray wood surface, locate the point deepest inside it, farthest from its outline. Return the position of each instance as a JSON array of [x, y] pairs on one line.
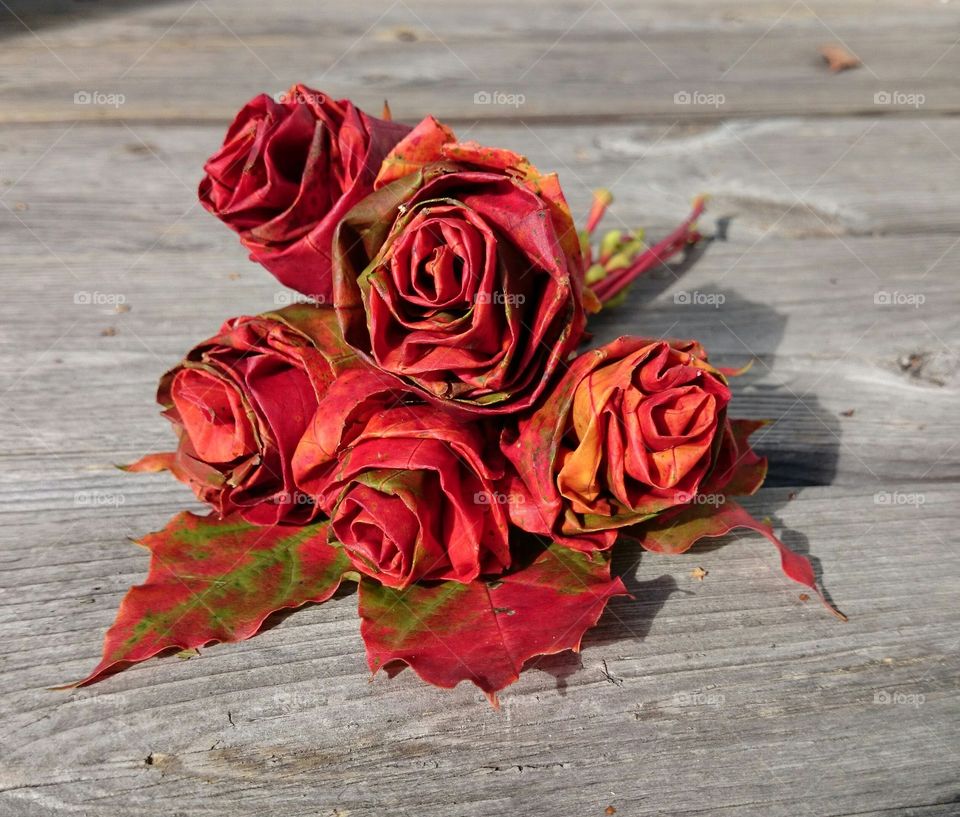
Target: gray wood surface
[[728, 696]]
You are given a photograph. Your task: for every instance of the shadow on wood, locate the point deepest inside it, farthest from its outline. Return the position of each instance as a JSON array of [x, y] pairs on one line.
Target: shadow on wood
[[19, 17]]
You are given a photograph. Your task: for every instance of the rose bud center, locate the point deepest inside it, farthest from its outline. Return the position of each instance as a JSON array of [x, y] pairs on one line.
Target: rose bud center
[[378, 529], [676, 416], [441, 262], [669, 435], [213, 416]]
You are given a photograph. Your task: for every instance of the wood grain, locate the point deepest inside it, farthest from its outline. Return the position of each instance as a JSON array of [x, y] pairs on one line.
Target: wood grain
[[608, 58], [728, 696]]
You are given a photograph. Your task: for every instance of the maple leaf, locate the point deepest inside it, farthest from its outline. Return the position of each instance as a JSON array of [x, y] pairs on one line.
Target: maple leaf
[[677, 532], [216, 580], [485, 631], [839, 58]]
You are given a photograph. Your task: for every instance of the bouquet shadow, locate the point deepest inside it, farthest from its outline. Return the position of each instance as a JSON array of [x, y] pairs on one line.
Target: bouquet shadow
[[39, 14], [625, 618]]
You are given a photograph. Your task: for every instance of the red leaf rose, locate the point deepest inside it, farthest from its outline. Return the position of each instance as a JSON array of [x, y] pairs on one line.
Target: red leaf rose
[[636, 436], [633, 428], [463, 277], [411, 490], [287, 173], [240, 402]]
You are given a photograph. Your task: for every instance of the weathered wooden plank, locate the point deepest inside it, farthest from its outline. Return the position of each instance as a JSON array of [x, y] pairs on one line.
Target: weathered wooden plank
[[201, 60], [791, 178], [729, 695]]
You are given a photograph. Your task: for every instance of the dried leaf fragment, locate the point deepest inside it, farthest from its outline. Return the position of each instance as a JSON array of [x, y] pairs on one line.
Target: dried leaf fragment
[[839, 58]]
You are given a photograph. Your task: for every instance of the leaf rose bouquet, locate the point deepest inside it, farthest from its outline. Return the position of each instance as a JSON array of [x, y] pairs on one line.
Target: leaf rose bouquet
[[431, 426]]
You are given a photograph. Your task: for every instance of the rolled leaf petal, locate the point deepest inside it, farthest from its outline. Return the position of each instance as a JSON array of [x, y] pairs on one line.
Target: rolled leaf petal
[[423, 145], [240, 403], [632, 429], [412, 491]]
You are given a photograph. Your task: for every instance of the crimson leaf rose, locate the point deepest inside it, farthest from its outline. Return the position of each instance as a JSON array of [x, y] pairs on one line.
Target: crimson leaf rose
[[240, 403], [411, 490], [462, 277], [287, 173], [632, 429]]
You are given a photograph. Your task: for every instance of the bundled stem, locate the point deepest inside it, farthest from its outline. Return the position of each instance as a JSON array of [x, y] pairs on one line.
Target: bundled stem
[[622, 259]]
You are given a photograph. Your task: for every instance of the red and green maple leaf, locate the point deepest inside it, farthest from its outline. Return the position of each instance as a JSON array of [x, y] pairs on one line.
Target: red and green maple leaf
[[217, 580], [485, 631], [678, 532]]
